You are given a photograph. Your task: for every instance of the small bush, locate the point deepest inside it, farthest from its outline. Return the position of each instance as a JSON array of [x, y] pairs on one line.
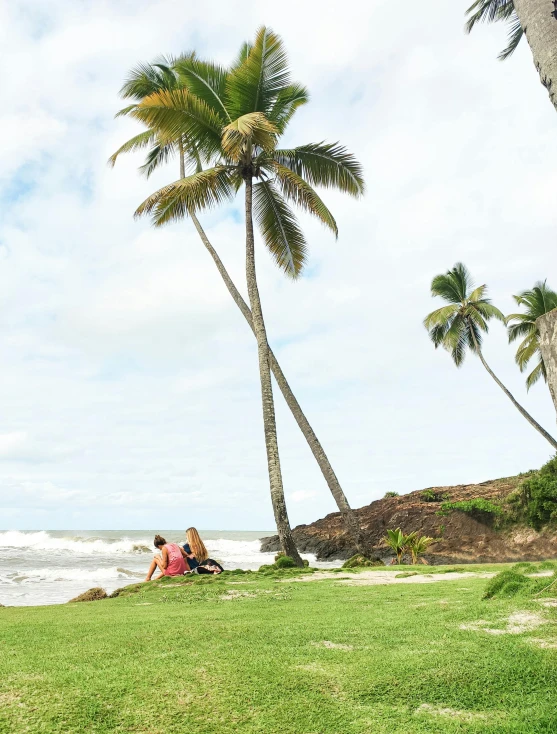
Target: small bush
[[285, 562], [479, 508], [513, 583], [94, 594], [391, 494], [429, 495], [360, 561], [538, 496]]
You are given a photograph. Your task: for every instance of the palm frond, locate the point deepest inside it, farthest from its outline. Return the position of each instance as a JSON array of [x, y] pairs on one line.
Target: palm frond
[[254, 84], [298, 191], [157, 156], [125, 111], [279, 229], [253, 128], [286, 103], [474, 333], [534, 376], [478, 293], [146, 79], [438, 332], [515, 37], [523, 326], [488, 11], [199, 191], [325, 164], [138, 142], [177, 113], [441, 316], [205, 80], [487, 310], [456, 340], [526, 350]]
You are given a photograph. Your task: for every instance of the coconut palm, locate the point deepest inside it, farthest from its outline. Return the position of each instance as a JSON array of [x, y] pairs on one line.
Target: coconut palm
[[418, 544], [396, 541], [147, 79], [458, 326], [234, 119], [534, 19], [537, 301]]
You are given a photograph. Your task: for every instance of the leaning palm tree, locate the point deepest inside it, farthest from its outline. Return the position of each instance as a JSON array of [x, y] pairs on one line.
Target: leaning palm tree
[[459, 325], [187, 71], [534, 19], [537, 301], [235, 120]]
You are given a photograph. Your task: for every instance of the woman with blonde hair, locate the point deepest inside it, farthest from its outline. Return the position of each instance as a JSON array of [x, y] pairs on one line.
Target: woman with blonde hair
[[198, 557]]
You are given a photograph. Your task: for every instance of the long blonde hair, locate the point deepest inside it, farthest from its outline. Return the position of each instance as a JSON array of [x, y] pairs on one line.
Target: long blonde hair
[[197, 545]]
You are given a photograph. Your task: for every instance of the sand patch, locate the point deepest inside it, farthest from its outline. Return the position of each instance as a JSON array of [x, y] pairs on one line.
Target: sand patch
[[381, 578], [427, 708], [234, 594], [516, 624], [11, 698], [544, 644], [332, 645], [547, 602]]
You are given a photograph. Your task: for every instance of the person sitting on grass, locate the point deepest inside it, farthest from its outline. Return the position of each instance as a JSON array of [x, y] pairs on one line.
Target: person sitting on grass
[[198, 557], [173, 560]]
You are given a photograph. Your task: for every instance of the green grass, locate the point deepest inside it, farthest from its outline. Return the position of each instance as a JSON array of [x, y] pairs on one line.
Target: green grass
[[181, 659]]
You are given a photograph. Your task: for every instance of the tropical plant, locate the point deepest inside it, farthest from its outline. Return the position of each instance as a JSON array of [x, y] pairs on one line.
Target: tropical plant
[[492, 11], [458, 326], [533, 19], [233, 119], [430, 495], [390, 493], [417, 545], [396, 541], [538, 496], [537, 302], [147, 79], [478, 506]]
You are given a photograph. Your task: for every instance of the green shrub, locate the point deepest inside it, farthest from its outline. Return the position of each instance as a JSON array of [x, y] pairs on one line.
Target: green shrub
[[514, 583], [429, 495], [538, 496], [479, 508], [285, 562], [360, 561], [391, 494]]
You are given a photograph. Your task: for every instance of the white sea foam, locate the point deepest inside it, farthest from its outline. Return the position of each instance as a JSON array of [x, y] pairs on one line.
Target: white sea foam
[[96, 575], [42, 541]]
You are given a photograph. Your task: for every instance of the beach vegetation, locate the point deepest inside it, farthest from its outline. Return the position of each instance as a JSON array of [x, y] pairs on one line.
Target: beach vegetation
[[459, 325]]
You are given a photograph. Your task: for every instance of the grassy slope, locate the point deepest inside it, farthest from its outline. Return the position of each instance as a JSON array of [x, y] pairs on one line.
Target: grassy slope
[[180, 659]]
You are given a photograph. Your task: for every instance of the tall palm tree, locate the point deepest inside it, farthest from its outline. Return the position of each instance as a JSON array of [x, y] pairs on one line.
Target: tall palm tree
[[535, 19], [234, 118], [163, 74], [537, 301], [459, 325]]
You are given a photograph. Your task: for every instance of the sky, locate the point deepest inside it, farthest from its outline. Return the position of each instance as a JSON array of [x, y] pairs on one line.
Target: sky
[[129, 381]]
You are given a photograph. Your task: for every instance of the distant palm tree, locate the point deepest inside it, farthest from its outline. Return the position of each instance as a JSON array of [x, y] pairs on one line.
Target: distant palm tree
[[538, 301], [142, 81], [459, 325], [234, 119]]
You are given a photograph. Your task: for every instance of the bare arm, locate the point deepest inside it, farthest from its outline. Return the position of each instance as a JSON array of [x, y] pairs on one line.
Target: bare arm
[[185, 557], [164, 562]]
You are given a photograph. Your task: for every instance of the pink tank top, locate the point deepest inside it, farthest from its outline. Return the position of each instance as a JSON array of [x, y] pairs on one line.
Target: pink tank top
[[176, 564]]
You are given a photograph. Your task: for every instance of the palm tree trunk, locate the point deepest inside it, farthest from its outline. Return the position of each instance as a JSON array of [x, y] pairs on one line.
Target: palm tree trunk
[[538, 19], [269, 421], [351, 523], [516, 404], [547, 326]]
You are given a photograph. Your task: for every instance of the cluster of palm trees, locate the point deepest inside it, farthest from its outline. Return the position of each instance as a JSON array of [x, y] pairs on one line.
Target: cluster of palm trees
[[459, 325], [414, 543], [224, 125]]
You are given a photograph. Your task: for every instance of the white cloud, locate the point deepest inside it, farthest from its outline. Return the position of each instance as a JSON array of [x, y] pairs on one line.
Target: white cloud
[[129, 386]]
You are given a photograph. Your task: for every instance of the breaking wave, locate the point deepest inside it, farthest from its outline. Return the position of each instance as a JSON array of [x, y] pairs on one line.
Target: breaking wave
[[43, 541]]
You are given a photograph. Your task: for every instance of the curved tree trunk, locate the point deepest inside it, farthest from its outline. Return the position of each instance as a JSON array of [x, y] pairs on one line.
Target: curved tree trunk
[[269, 422], [516, 404], [538, 19], [547, 326], [352, 526]]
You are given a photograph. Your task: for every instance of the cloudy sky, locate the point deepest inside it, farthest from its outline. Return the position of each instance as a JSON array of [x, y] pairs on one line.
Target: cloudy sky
[[129, 385]]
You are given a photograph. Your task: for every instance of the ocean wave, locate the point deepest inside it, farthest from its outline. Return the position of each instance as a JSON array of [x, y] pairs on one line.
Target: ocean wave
[[43, 541], [97, 575]]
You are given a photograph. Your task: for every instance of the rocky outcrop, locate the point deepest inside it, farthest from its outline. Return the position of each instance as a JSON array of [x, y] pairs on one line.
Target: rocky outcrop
[[461, 538]]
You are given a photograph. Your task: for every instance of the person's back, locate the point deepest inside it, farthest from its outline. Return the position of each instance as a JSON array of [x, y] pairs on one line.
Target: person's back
[[176, 563]]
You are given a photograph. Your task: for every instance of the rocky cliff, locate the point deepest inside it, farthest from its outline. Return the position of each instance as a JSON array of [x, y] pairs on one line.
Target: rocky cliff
[[461, 538]]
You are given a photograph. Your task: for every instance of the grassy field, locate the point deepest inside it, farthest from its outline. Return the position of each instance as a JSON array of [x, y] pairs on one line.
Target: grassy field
[[267, 654]]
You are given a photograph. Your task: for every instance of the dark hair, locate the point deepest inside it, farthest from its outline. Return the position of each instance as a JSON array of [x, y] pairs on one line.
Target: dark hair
[[159, 540]]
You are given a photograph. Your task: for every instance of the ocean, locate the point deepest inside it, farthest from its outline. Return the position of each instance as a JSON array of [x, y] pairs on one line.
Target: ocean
[[51, 567]]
